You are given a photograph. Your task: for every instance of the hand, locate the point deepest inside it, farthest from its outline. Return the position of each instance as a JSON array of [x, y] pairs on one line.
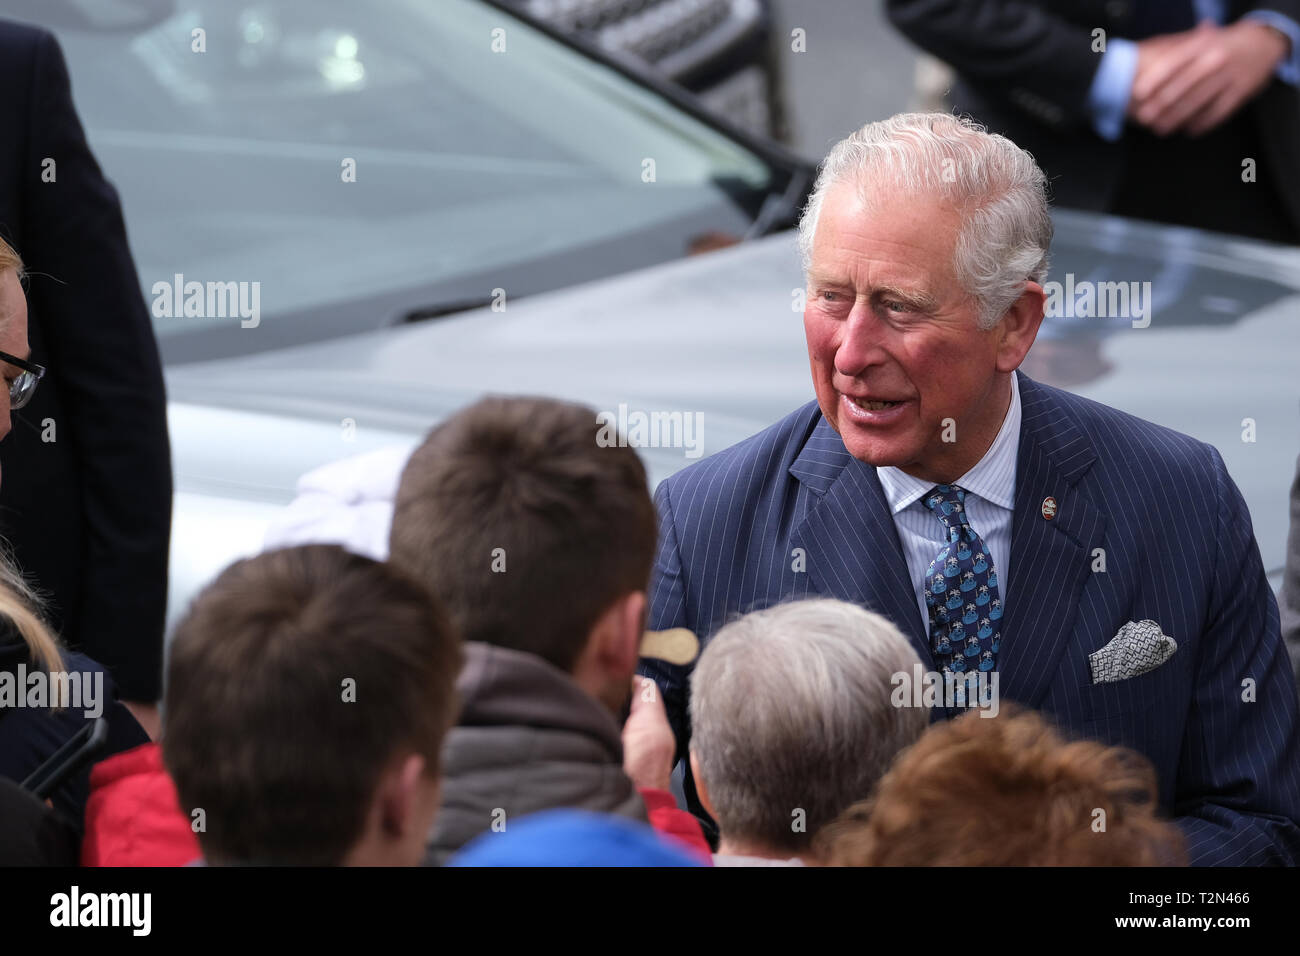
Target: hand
[[1191, 82], [649, 744], [146, 715]]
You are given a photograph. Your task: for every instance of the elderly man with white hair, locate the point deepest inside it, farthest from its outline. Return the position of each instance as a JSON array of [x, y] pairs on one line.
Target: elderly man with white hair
[[794, 721], [1104, 568]]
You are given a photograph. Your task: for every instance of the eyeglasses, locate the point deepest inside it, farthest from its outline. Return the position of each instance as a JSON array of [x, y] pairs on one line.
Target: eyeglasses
[[23, 387]]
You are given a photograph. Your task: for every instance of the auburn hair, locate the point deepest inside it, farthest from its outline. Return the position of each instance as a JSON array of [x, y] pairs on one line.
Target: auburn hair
[[1007, 791]]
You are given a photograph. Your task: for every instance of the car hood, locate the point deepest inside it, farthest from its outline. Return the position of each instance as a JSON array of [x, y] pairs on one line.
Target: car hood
[[719, 337]]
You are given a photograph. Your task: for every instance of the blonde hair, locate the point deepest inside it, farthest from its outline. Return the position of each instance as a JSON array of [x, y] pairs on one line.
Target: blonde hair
[[9, 259], [21, 606]]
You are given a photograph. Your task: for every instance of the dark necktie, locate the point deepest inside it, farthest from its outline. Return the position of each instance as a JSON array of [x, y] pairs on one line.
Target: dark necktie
[[961, 593]]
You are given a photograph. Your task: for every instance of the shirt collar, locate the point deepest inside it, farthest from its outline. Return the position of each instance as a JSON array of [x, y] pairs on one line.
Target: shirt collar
[[993, 478]]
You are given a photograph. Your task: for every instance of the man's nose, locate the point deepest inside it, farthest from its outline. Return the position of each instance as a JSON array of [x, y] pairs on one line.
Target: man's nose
[[861, 342]]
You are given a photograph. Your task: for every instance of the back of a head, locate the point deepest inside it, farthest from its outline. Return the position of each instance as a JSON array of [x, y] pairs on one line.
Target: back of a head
[[295, 680], [1008, 791], [524, 524], [792, 719]]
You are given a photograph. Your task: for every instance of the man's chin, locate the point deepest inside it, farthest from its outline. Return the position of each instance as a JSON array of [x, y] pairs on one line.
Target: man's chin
[[874, 449], [872, 453]]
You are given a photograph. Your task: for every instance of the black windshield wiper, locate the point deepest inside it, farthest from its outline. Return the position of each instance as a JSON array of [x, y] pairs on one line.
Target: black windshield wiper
[[450, 307]]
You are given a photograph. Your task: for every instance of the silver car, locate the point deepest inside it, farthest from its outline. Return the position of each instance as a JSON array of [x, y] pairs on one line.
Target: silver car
[[519, 217]]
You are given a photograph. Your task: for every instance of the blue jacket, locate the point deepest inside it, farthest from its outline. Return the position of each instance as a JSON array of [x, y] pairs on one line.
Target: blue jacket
[[789, 513]]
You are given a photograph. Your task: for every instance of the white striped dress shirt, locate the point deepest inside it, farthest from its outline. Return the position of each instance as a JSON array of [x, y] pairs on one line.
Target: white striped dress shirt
[[990, 501]]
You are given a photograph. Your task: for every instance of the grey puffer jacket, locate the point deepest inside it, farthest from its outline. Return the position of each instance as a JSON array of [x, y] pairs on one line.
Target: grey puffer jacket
[[528, 739]]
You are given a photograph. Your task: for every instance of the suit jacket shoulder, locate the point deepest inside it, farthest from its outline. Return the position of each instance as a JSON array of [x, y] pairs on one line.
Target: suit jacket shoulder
[[1080, 431], [748, 465]]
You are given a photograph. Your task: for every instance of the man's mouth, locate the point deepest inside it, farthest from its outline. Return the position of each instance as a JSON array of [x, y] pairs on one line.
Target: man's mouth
[[872, 405]]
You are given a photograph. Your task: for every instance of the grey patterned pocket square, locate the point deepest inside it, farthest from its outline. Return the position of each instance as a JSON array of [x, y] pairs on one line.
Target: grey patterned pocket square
[[1139, 647]]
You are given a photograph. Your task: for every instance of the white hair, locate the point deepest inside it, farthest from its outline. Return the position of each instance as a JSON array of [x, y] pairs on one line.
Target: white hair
[[1006, 231], [791, 711]]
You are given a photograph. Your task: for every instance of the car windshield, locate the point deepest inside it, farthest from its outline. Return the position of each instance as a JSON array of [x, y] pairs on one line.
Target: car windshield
[[370, 163]]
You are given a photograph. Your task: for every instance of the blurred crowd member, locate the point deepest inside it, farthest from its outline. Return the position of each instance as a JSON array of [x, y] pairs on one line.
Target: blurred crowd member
[[573, 838], [308, 694], [1008, 792], [1289, 602], [89, 513], [793, 722], [32, 729], [537, 539], [1144, 108]]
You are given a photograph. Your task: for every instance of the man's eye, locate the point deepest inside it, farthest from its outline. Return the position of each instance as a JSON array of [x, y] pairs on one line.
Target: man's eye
[[893, 305]]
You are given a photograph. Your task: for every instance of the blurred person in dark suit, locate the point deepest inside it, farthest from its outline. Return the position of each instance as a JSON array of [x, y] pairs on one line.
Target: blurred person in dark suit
[[1142, 108], [89, 513]]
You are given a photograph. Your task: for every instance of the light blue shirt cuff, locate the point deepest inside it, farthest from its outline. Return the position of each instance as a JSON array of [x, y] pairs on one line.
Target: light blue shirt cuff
[[1111, 87], [1288, 71]]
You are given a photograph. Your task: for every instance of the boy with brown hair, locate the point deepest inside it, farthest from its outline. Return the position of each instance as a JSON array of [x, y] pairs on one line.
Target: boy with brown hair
[[309, 690], [537, 536]]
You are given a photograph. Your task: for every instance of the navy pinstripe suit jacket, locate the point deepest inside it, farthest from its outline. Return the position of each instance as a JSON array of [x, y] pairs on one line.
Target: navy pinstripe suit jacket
[[1178, 547]]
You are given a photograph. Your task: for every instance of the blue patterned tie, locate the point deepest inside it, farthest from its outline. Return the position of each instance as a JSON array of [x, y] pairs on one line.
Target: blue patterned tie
[[961, 593]]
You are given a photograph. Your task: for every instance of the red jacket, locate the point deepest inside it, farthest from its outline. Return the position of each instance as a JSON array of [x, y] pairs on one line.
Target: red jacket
[[678, 825], [133, 817]]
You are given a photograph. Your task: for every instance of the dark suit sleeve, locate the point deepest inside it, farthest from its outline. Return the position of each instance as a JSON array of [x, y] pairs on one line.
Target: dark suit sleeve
[[667, 610], [104, 362], [1238, 790], [1288, 8], [1019, 49]]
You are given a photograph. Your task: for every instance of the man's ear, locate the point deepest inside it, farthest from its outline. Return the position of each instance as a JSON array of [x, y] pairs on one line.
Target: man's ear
[[701, 788], [399, 796], [621, 630], [1019, 327]]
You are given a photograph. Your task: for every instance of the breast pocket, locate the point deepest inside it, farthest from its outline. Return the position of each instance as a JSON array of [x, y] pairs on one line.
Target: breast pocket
[[1139, 712], [1131, 695]]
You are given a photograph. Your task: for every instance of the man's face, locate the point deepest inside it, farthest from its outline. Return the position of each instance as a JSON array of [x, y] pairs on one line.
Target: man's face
[[888, 322], [13, 338]]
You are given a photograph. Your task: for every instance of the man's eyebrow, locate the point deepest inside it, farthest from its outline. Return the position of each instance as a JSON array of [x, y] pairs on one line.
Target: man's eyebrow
[[818, 278], [917, 298]]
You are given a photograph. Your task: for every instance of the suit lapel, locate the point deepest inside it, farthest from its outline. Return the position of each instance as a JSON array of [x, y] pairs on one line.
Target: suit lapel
[[1050, 557], [849, 538]]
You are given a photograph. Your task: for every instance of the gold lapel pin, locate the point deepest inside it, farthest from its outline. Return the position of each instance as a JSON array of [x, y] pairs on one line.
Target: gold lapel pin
[[1049, 507]]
